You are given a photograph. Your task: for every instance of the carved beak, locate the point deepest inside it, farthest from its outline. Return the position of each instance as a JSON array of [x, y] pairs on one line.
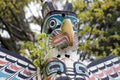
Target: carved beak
[[67, 30], [66, 37]]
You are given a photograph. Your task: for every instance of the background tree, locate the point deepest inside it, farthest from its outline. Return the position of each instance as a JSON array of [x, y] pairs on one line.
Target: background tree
[[99, 32], [13, 20], [21, 38]]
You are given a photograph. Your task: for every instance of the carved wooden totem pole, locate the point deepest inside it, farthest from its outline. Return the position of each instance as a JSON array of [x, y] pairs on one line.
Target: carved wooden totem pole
[[61, 26], [63, 63]]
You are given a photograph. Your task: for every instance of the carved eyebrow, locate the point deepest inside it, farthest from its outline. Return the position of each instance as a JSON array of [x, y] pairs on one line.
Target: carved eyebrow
[[81, 69], [54, 66]]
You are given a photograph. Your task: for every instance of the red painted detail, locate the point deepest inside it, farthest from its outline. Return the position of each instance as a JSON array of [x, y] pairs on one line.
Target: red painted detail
[[92, 78], [101, 74], [2, 62], [109, 71], [61, 37], [27, 72], [14, 67], [117, 68]]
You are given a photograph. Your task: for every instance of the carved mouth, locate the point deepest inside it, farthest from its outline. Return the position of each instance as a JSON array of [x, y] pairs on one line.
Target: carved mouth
[[60, 40]]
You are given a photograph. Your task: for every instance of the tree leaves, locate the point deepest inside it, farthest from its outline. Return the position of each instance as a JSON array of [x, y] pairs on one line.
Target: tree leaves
[[100, 27], [35, 51], [12, 18]]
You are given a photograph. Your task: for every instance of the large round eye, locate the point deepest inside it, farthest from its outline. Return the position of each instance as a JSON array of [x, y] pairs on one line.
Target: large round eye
[[75, 26], [52, 23], [55, 67], [81, 69]]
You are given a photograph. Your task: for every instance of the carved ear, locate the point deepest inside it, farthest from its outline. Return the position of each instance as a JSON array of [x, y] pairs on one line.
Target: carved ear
[[47, 7], [68, 7]]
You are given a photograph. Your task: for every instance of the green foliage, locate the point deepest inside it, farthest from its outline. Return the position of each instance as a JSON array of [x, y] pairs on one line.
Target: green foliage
[[79, 5], [35, 51], [101, 27], [12, 20], [84, 16], [16, 6]]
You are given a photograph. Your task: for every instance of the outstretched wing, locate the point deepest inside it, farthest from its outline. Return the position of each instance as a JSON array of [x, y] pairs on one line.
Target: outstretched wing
[[15, 67], [107, 68]]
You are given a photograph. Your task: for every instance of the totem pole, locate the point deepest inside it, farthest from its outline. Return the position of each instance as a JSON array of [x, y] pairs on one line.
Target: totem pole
[[63, 63], [61, 26]]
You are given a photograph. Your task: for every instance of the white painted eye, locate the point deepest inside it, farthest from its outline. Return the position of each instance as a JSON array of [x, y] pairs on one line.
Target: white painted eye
[[75, 26], [52, 23]]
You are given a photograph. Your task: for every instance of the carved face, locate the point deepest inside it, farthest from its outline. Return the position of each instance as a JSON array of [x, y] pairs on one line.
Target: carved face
[[65, 69], [61, 27]]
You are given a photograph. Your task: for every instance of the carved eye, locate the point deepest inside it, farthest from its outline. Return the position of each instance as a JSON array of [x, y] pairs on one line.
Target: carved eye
[[75, 26], [52, 23], [80, 69], [55, 67]]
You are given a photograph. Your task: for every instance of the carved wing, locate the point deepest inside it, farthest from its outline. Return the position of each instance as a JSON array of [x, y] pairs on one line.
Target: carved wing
[[107, 68], [15, 67]]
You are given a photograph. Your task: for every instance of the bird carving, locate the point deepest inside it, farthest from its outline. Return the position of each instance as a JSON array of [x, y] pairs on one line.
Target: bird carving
[[63, 62]]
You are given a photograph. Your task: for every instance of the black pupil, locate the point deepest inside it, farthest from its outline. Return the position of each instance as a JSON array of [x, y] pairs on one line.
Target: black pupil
[[52, 23]]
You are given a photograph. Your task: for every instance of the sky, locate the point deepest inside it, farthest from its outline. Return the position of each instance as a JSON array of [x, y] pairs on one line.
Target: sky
[[34, 9]]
